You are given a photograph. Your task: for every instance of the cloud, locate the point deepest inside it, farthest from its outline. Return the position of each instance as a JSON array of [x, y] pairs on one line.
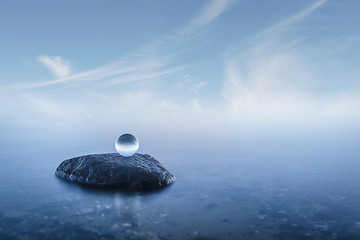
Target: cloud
[[286, 23], [168, 106], [45, 106], [198, 86], [269, 74], [155, 60], [196, 104], [139, 101], [189, 85], [273, 81], [212, 11], [57, 65]]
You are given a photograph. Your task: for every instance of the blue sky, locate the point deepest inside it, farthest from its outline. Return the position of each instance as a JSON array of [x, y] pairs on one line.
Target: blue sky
[[179, 64]]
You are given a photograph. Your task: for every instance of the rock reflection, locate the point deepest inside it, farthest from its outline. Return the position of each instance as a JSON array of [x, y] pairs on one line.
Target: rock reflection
[[127, 208]]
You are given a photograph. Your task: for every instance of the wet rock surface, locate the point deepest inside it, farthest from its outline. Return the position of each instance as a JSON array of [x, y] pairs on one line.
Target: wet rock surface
[[140, 172]]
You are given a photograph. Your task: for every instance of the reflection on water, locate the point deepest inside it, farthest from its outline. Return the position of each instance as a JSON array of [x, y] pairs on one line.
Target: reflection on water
[[258, 190]]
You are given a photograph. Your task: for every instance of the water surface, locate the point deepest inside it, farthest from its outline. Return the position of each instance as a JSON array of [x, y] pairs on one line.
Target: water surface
[[271, 186]]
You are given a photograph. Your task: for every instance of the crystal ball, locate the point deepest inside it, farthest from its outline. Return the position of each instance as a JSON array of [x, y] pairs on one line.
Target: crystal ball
[[127, 145]]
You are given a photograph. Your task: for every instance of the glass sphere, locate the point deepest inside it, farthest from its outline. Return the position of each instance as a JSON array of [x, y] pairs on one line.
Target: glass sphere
[[127, 145]]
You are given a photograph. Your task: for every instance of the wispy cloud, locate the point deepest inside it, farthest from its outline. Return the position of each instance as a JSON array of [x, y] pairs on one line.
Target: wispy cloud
[[45, 106], [271, 79], [198, 86], [196, 104], [168, 105], [213, 10], [57, 65], [288, 22], [188, 84], [155, 60]]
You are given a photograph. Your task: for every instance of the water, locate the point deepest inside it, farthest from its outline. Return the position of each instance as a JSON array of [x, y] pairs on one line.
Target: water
[[265, 187], [127, 145]]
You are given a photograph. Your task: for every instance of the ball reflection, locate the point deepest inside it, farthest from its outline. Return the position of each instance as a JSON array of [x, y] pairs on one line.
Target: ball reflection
[[127, 145]]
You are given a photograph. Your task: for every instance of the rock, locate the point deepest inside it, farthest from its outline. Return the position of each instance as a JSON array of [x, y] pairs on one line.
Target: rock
[[138, 172]]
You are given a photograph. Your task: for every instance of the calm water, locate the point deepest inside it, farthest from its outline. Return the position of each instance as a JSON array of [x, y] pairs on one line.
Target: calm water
[[283, 186]]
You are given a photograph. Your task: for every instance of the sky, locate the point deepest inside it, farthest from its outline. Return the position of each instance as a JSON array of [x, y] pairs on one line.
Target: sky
[[178, 66]]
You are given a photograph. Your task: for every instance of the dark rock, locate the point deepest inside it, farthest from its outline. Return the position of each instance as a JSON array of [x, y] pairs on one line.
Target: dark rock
[[138, 172]]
